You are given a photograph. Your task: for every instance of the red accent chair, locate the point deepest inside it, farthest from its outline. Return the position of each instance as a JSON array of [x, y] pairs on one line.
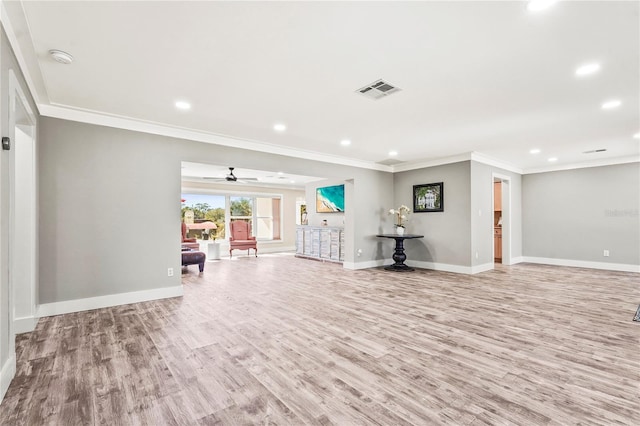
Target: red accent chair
[[191, 243], [241, 237]]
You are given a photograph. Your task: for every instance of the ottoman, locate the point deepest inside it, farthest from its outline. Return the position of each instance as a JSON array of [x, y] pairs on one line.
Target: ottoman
[[194, 258]]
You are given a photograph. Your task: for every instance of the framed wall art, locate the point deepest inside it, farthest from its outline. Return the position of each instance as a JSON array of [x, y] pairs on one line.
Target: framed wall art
[[428, 198], [330, 199]]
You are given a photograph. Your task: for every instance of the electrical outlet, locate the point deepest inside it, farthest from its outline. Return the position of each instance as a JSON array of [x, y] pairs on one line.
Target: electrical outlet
[[606, 253], [359, 252], [170, 272], [476, 255]]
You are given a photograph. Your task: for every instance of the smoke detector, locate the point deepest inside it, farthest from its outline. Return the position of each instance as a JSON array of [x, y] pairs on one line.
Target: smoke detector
[[378, 89], [60, 56]]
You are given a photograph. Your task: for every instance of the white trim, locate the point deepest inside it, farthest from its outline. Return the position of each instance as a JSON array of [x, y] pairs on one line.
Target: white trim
[[404, 167], [594, 163], [17, 51], [446, 267], [469, 156], [507, 217], [87, 116], [518, 259], [17, 95], [482, 268], [261, 248], [78, 305], [24, 324], [363, 265], [7, 374], [490, 161], [121, 122], [582, 264]]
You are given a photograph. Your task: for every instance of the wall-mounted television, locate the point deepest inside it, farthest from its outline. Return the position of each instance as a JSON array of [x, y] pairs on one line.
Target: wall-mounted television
[[330, 199]]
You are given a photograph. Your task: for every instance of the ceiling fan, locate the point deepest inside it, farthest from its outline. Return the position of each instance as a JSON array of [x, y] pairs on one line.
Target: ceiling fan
[[230, 177]]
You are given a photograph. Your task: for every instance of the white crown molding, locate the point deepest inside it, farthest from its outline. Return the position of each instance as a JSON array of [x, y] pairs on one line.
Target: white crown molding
[[79, 305], [405, 167], [120, 122], [92, 117], [469, 156], [490, 161], [622, 267], [15, 45], [594, 163]]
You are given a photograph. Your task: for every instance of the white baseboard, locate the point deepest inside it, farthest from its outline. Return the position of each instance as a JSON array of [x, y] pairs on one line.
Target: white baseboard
[[515, 260], [420, 264], [7, 374], [583, 264], [262, 248], [24, 325], [363, 265], [78, 305], [445, 267], [482, 268]]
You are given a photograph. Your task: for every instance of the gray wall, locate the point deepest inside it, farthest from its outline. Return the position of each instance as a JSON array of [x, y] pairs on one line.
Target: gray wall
[[482, 212], [447, 234], [110, 205], [576, 214], [7, 62]]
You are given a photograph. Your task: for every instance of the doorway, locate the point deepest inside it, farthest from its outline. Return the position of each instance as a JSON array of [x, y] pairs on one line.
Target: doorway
[[501, 224], [23, 218]]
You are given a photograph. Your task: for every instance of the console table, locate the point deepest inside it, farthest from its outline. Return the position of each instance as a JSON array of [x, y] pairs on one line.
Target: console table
[[398, 256], [323, 243]]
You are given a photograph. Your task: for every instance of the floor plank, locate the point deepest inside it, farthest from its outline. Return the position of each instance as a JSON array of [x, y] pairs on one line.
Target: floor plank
[[282, 340]]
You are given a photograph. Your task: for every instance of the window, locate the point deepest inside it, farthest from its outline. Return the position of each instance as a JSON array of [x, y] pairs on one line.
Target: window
[[262, 213], [198, 208], [267, 218]]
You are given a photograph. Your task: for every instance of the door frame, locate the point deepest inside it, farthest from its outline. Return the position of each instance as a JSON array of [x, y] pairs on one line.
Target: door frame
[[28, 319], [507, 211]]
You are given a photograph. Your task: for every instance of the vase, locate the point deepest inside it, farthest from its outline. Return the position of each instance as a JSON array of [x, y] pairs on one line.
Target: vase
[[399, 230]]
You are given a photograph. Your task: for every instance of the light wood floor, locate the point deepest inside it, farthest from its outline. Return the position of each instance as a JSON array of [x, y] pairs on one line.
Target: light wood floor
[[281, 340]]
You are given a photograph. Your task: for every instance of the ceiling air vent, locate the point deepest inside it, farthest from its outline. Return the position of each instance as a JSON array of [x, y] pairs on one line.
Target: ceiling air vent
[[593, 151], [377, 89], [390, 162]]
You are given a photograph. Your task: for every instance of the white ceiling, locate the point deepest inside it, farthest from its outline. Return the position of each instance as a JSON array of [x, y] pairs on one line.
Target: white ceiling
[[199, 172], [485, 77]]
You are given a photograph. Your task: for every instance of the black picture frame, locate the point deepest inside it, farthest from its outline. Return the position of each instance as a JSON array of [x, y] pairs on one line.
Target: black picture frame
[[428, 197]]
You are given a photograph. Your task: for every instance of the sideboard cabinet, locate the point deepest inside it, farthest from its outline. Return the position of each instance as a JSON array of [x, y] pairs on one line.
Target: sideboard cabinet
[[320, 242]]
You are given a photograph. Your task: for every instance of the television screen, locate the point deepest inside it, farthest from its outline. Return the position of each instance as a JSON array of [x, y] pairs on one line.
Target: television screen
[[330, 199]]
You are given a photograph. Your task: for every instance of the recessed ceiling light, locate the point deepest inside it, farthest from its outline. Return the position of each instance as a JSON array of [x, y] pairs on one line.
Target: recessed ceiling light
[[183, 105], [552, 159], [538, 5], [637, 135], [393, 153], [279, 127], [292, 181], [614, 103], [535, 151], [587, 69], [280, 173], [345, 142], [60, 56]]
